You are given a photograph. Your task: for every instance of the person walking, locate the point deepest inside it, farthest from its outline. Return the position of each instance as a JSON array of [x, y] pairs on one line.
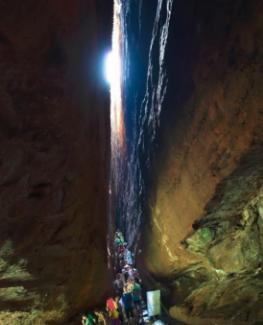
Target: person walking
[[88, 319], [129, 285], [100, 317], [128, 257], [128, 303], [137, 296], [119, 283], [120, 308], [112, 308]]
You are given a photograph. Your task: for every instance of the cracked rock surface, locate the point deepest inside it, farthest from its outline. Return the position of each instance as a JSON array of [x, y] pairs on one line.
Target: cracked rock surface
[[203, 236]]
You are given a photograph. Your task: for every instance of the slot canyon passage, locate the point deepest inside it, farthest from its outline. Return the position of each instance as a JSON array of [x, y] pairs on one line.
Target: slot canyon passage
[[185, 167]]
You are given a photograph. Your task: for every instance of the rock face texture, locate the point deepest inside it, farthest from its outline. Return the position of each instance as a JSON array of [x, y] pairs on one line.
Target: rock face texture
[[53, 158], [203, 236]]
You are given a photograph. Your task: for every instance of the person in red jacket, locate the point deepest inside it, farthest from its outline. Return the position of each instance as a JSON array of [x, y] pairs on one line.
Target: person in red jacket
[[113, 312]]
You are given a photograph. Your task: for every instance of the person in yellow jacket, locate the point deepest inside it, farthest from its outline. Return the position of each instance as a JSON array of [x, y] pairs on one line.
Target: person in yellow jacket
[[100, 317]]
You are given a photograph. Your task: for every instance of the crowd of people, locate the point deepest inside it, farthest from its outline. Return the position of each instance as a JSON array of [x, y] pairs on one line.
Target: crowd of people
[[127, 285], [126, 306]]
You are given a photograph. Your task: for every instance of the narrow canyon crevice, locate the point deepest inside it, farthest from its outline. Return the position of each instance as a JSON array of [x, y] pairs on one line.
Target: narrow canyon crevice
[[189, 174], [193, 113]]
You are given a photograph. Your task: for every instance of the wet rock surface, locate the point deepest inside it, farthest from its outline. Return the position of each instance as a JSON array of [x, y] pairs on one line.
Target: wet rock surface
[[53, 159]]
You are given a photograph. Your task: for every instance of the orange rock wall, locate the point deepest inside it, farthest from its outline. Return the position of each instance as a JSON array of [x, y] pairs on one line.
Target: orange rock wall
[[54, 140], [207, 134]]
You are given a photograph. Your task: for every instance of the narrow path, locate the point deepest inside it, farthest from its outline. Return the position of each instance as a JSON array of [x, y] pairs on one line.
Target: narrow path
[[131, 296], [128, 305]]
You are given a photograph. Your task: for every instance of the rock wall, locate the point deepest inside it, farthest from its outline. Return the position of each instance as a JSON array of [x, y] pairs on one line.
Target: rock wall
[[203, 238], [53, 160]]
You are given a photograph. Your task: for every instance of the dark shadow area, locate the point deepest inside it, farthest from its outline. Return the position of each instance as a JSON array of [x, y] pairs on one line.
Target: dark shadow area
[[54, 135]]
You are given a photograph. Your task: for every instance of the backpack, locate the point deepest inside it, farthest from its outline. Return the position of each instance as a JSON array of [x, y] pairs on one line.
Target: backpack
[[90, 319], [114, 314]]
